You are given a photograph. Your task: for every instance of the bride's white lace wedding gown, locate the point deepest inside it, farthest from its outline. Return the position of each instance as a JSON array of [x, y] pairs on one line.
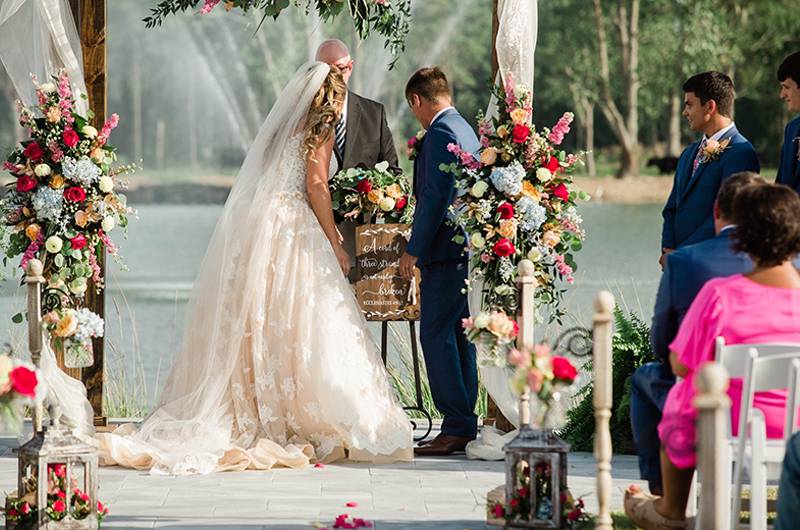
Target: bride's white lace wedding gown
[[295, 376]]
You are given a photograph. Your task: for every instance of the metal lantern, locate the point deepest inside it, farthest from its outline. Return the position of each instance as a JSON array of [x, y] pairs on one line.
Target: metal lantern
[[57, 462], [536, 474]]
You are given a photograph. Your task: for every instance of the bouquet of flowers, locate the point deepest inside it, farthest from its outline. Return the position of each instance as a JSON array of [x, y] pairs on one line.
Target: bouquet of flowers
[[494, 329], [517, 200], [369, 195], [18, 384], [22, 512], [73, 331]]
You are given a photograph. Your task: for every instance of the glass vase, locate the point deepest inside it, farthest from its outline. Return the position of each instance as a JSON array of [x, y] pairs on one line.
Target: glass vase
[[79, 354]]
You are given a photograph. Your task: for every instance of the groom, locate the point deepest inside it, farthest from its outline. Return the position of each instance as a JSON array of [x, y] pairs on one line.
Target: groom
[[449, 357]]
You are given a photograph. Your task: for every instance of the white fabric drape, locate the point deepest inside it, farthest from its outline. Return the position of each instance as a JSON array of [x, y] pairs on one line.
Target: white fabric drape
[[516, 43], [39, 37]]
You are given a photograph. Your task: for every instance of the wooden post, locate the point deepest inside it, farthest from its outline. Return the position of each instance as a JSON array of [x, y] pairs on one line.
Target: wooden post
[[35, 280], [91, 19], [712, 404], [602, 400], [526, 285]]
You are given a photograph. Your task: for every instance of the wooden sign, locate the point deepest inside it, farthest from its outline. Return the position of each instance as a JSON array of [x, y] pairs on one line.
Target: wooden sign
[[383, 294]]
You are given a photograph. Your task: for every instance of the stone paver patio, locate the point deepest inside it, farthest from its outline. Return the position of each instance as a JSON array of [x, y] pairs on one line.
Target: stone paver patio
[[431, 493]]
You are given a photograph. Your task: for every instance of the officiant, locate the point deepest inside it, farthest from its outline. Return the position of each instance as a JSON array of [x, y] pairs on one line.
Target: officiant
[[363, 137]]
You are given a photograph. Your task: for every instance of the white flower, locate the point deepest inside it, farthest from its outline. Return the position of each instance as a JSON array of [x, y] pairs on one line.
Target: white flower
[[534, 255], [47, 88], [481, 321], [53, 244], [108, 224], [477, 240], [521, 90], [6, 365], [543, 174], [106, 184], [387, 204], [77, 286], [382, 166], [88, 131], [479, 189], [42, 170]]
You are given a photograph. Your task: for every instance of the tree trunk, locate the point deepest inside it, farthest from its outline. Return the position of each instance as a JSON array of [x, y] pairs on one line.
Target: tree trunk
[[591, 166], [674, 130], [630, 159]]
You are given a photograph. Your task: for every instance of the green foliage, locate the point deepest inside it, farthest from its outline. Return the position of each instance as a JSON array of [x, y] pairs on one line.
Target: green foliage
[[630, 349]]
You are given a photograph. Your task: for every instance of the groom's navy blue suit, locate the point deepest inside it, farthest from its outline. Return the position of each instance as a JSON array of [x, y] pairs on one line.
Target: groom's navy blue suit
[[449, 357], [789, 170], [689, 212]]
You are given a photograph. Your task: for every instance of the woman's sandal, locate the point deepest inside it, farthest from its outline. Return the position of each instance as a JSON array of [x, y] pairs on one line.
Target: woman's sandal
[[641, 510]]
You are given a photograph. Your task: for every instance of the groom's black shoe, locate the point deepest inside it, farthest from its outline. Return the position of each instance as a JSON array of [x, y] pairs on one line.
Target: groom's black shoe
[[444, 445], [423, 443]]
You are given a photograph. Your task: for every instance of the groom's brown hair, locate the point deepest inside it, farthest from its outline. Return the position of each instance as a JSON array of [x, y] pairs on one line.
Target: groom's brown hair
[[428, 83]]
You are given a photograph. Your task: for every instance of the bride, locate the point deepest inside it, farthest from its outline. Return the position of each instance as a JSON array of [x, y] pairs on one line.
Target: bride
[[276, 367]]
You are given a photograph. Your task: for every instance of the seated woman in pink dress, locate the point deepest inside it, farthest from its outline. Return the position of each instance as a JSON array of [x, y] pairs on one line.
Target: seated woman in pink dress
[[760, 307]]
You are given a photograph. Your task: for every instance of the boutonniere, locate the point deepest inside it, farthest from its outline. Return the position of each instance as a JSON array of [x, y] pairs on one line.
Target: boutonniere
[[713, 149], [414, 144]]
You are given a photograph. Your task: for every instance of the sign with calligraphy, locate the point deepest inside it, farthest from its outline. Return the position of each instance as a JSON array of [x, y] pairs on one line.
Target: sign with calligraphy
[[383, 294]]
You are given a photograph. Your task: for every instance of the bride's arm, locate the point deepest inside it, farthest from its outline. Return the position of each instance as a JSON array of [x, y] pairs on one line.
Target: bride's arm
[[319, 196]]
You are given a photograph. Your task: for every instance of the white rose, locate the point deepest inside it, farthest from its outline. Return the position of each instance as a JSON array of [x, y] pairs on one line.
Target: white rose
[[387, 204], [479, 189], [482, 320], [521, 90], [78, 286], [477, 240], [88, 131], [53, 244], [106, 184], [108, 224], [42, 170], [534, 255], [48, 87], [543, 174]]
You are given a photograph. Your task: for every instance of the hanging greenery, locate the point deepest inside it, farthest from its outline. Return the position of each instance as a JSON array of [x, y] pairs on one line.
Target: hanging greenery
[[389, 18]]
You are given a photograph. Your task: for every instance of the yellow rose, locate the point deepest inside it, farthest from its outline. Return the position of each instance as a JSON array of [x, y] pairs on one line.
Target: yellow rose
[[519, 116], [551, 238], [67, 325], [529, 190], [33, 231], [56, 181], [489, 156], [502, 131], [81, 218], [375, 196], [394, 191], [508, 228]]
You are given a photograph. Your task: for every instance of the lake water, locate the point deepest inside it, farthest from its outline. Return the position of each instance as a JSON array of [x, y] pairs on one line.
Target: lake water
[[145, 305]]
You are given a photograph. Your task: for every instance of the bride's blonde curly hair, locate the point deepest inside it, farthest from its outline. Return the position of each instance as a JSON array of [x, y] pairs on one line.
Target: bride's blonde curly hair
[[326, 108]]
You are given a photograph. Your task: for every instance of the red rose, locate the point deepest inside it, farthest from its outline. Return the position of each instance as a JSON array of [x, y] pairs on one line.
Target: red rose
[[78, 242], [401, 203], [61, 494], [520, 133], [514, 502], [574, 515], [506, 210], [23, 381], [563, 369], [59, 506], [75, 194], [412, 141], [553, 165], [364, 186], [25, 183], [101, 509], [498, 511], [34, 151], [26, 509], [70, 138], [561, 192], [504, 247], [516, 329], [13, 513]]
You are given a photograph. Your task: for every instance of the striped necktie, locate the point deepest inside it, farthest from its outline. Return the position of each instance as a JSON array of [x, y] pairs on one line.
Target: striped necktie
[[698, 158], [341, 132]]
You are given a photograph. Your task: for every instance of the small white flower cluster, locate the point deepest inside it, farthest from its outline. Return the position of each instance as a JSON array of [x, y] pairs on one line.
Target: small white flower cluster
[[89, 325], [48, 203], [508, 179], [83, 170], [533, 214], [506, 269]]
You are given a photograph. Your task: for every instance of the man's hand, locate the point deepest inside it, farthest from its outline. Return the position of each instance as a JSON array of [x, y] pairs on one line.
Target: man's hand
[[407, 264], [663, 259]]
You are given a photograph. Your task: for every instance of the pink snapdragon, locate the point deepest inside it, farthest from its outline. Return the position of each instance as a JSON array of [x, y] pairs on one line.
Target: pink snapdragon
[[571, 160], [564, 269], [31, 251], [110, 124], [110, 246], [64, 89], [8, 166], [561, 129], [97, 274], [57, 155], [208, 6], [465, 157], [509, 89]]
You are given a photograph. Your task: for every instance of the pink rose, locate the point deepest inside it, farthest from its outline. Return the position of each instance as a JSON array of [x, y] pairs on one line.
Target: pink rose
[[519, 358], [535, 379], [78, 242], [59, 506]]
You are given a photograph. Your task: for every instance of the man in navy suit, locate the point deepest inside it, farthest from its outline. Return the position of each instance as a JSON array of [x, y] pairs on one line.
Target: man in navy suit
[[686, 271], [789, 78], [449, 357], [708, 106]]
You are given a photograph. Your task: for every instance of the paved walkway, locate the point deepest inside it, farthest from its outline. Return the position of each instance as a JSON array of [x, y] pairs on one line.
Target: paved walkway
[[431, 493]]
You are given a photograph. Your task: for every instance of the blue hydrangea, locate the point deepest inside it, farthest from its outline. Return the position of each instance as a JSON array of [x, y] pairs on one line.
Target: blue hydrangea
[[89, 325], [47, 203], [532, 213], [83, 170], [508, 179]]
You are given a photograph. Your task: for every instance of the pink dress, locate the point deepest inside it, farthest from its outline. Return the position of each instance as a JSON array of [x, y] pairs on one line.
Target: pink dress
[[743, 312]]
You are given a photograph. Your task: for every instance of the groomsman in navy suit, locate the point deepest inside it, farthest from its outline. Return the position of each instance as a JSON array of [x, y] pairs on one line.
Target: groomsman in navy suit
[[721, 152], [449, 357], [789, 78]]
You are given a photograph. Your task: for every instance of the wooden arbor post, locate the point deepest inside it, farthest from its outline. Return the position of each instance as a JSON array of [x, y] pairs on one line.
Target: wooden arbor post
[[91, 17], [603, 401]]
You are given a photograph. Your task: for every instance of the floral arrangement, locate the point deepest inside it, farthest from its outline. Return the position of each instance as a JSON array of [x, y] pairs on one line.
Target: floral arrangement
[[712, 150], [496, 330], [61, 204], [543, 373], [389, 18], [23, 512], [72, 331], [414, 144], [18, 384], [517, 200], [372, 194]]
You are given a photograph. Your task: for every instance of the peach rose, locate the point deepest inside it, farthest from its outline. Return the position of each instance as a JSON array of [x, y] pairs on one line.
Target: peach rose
[[33, 231], [56, 181], [551, 238], [529, 190], [502, 132], [98, 155], [519, 116], [81, 218], [375, 196], [489, 156], [501, 325], [67, 325], [53, 114], [394, 191], [508, 228]]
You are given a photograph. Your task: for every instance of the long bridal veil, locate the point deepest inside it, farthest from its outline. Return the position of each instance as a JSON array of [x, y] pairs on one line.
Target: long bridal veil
[[195, 422]]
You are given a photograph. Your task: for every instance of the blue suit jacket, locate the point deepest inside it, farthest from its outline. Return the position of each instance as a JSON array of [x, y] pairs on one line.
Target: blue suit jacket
[[685, 273], [789, 169], [689, 212], [431, 236]]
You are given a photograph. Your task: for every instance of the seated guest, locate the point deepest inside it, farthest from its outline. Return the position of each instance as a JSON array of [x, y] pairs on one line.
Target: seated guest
[[789, 489], [686, 271], [789, 78], [760, 307]]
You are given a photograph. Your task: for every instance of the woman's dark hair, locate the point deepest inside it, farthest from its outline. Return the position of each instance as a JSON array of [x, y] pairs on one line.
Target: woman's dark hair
[[767, 218]]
